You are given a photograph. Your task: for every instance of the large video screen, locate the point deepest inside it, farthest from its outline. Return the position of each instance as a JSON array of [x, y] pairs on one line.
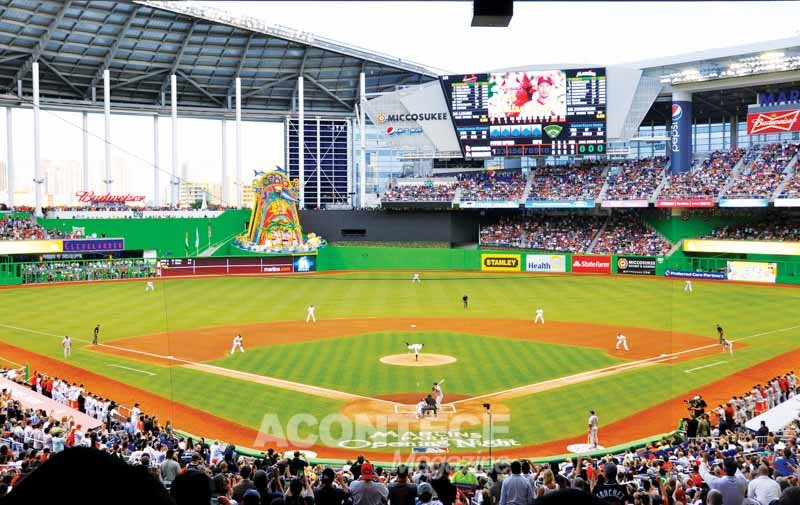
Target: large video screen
[[529, 112]]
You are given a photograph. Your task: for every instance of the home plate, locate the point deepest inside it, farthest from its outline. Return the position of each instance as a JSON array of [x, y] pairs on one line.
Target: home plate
[[583, 448]]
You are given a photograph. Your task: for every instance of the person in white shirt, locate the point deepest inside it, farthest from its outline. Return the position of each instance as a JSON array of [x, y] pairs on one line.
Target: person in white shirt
[[437, 393], [727, 345], [687, 288], [310, 314], [762, 488], [416, 349], [539, 316], [237, 344], [415, 278], [622, 341], [67, 345], [592, 429], [149, 286]]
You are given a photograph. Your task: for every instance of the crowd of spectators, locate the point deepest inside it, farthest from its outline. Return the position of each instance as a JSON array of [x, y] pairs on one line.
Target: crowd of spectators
[[635, 180], [425, 192], [563, 233], [492, 186], [706, 179], [625, 233], [570, 182], [26, 228], [779, 226], [66, 271], [762, 177], [792, 188]]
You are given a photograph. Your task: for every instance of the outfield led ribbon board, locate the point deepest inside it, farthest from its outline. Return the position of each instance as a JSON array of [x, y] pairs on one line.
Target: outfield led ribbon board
[[545, 263], [488, 204], [685, 203], [610, 204], [30, 247], [528, 112], [500, 262], [752, 271], [743, 202], [742, 247], [787, 202], [559, 204], [780, 121]]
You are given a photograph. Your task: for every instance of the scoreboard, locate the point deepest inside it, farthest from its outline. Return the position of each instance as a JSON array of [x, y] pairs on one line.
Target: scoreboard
[[528, 113]]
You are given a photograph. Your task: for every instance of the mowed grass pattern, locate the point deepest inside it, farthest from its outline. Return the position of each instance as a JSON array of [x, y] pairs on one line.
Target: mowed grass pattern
[[125, 310], [352, 364]]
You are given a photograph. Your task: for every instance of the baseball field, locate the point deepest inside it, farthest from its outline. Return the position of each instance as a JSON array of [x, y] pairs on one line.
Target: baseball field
[[347, 384]]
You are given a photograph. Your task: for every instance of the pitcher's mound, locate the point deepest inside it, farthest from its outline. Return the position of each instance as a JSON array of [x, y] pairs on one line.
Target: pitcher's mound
[[424, 359]]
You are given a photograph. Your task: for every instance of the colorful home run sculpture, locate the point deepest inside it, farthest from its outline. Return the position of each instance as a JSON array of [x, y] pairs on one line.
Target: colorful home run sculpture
[[275, 223]]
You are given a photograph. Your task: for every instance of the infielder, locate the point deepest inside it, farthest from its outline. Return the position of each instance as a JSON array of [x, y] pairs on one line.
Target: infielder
[[592, 429], [149, 286], [96, 334], [720, 333], [237, 344], [310, 314], [416, 349], [727, 344], [622, 341], [687, 288], [415, 279], [539, 316], [67, 345], [437, 393]]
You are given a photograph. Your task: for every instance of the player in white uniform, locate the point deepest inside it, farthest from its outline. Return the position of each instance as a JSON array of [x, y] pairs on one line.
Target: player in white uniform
[[310, 314], [67, 345], [592, 429], [622, 341], [416, 349], [438, 394], [149, 286], [421, 409], [687, 288], [727, 344], [237, 344], [539, 316], [415, 278]]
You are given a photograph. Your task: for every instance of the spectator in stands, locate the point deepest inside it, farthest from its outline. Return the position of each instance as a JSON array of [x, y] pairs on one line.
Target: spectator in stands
[[761, 177], [516, 490], [366, 491], [492, 186], [635, 180], [706, 179]]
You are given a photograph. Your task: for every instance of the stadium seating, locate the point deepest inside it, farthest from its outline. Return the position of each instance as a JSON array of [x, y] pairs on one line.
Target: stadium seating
[[492, 186], [15, 228], [625, 233], [67, 271], [423, 191], [778, 226], [762, 176], [635, 180], [566, 182], [705, 180], [544, 233]]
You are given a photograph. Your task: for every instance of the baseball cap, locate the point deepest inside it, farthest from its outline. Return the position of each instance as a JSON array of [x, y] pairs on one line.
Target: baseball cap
[[544, 78], [367, 471], [424, 486], [251, 492]]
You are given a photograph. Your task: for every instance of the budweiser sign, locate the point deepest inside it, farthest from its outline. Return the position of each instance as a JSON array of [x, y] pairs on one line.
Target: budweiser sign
[[773, 122], [92, 197]]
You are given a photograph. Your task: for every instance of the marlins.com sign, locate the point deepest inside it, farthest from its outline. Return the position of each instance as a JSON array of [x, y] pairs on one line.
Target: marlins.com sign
[[500, 262]]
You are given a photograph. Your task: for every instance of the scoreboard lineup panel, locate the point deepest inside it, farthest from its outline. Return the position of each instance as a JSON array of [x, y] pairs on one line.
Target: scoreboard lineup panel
[[528, 113]]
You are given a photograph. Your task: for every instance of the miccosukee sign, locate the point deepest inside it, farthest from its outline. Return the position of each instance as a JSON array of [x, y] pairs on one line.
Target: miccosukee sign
[[633, 265]]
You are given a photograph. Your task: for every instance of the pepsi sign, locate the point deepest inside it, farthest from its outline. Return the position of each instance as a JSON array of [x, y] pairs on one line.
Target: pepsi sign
[[681, 136]]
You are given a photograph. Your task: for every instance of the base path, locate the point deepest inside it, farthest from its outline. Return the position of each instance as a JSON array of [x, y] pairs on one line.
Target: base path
[[425, 359]]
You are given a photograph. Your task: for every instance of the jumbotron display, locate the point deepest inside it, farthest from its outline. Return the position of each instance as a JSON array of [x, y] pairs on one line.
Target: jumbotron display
[[528, 113]]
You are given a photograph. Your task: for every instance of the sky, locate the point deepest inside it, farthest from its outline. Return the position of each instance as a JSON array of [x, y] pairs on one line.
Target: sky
[[435, 34]]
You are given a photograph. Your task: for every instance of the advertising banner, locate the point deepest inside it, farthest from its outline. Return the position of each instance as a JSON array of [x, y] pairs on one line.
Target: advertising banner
[[685, 203], [780, 121], [94, 244], [609, 204], [685, 274], [30, 246], [232, 266], [500, 262], [742, 247], [681, 136], [633, 265], [752, 271], [743, 202], [559, 204], [545, 263], [787, 202], [497, 204], [591, 264]]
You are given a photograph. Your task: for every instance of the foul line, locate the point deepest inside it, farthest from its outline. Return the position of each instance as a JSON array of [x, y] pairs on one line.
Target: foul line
[[131, 369], [704, 366]]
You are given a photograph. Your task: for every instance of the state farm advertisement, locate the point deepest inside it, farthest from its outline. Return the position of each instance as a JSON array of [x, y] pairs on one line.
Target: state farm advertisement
[[591, 264], [773, 122]]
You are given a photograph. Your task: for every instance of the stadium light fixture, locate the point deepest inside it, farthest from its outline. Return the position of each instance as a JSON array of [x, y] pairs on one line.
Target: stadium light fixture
[[492, 13]]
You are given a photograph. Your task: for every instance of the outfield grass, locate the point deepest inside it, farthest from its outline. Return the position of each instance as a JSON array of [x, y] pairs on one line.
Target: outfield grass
[[350, 364]]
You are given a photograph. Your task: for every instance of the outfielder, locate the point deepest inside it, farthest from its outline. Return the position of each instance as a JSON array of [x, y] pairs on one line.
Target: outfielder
[[310, 314], [415, 278], [67, 345], [149, 286], [687, 288], [622, 341], [237, 344], [539, 316], [416, 349]]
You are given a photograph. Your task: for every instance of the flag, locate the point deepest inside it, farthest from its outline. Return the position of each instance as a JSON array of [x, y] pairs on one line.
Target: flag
[[196, 237], [187, 243]]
